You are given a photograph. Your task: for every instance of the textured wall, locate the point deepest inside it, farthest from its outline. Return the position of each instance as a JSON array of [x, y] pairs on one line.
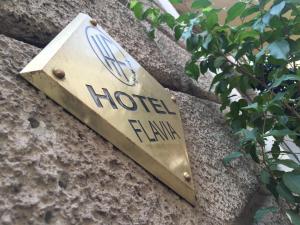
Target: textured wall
[[38, 21], [55, 170]]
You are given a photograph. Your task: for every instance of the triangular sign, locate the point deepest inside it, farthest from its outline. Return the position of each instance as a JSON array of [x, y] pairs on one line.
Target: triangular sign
[[88, 73]]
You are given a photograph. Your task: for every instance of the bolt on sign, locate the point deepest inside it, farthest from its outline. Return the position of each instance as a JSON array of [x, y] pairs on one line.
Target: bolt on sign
[[88, 73]]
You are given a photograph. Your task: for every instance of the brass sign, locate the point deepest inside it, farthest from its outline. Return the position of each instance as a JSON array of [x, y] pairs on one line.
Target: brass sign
[[94, 78]]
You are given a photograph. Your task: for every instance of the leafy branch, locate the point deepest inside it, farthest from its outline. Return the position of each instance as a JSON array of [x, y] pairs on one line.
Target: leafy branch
[[260, 56]]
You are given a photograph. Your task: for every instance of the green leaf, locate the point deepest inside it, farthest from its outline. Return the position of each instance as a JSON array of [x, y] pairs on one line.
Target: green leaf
[[284, 192], [175, 1], [212, 20], [151, 13], [265, 177], [285, 77], [192, 70], [219, 61], [244, 83], [283, 120], [207, 41], [279, 25], [231, 156], [200, 4], [295, 29], [251, 106], [275, 109], [253, 154], [151, 33], [211, 67], [216, 79], [247, 34], [276, 9], [287, 162], [235, 11], [248, 135], [235, 108], [279, 97], [237, 124], [133, 3], [137, 9], [203, 67], [272, 188], [250, 11], [192, 43], [275, 150], [293, 217], [279, 49], [280, 133], [262, 212], [292, 181], [178, 32], [168, 19]]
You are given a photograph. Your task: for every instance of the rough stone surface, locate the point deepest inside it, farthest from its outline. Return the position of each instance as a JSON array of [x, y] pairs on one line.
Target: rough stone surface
[[55, 170], [38, 21]]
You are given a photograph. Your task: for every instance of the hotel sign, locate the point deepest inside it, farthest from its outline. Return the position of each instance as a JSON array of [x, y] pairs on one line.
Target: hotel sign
[[89, 74]]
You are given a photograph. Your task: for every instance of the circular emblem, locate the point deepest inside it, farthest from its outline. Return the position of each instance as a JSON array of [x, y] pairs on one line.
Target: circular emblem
[[113, 57]]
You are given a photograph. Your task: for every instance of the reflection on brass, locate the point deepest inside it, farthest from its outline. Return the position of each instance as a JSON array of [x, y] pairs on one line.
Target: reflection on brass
[[187, 176], [173, 98], [110, 92], [59, 74], [94, 22]]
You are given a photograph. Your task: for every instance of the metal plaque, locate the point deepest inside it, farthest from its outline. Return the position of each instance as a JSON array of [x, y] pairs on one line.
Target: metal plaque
[[88, 73]]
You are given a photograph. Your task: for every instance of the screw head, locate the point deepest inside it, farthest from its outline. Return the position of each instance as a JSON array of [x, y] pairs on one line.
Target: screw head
[[173, 98], [93, 22], [187, 176], [58, 73]]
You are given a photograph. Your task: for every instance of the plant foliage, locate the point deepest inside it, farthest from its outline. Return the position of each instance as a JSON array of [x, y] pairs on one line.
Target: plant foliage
[[255, 50]]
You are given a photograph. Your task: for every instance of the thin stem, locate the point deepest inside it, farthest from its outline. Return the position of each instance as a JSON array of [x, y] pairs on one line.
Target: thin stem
[[262, 146], [291, 109], [244, 71]]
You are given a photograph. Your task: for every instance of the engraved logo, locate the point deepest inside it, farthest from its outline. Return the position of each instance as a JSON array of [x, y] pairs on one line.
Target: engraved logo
[[113, 57]]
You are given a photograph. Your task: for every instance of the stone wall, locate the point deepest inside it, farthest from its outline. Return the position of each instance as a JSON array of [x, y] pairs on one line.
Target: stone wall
[[55, 170], [38, 21]]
